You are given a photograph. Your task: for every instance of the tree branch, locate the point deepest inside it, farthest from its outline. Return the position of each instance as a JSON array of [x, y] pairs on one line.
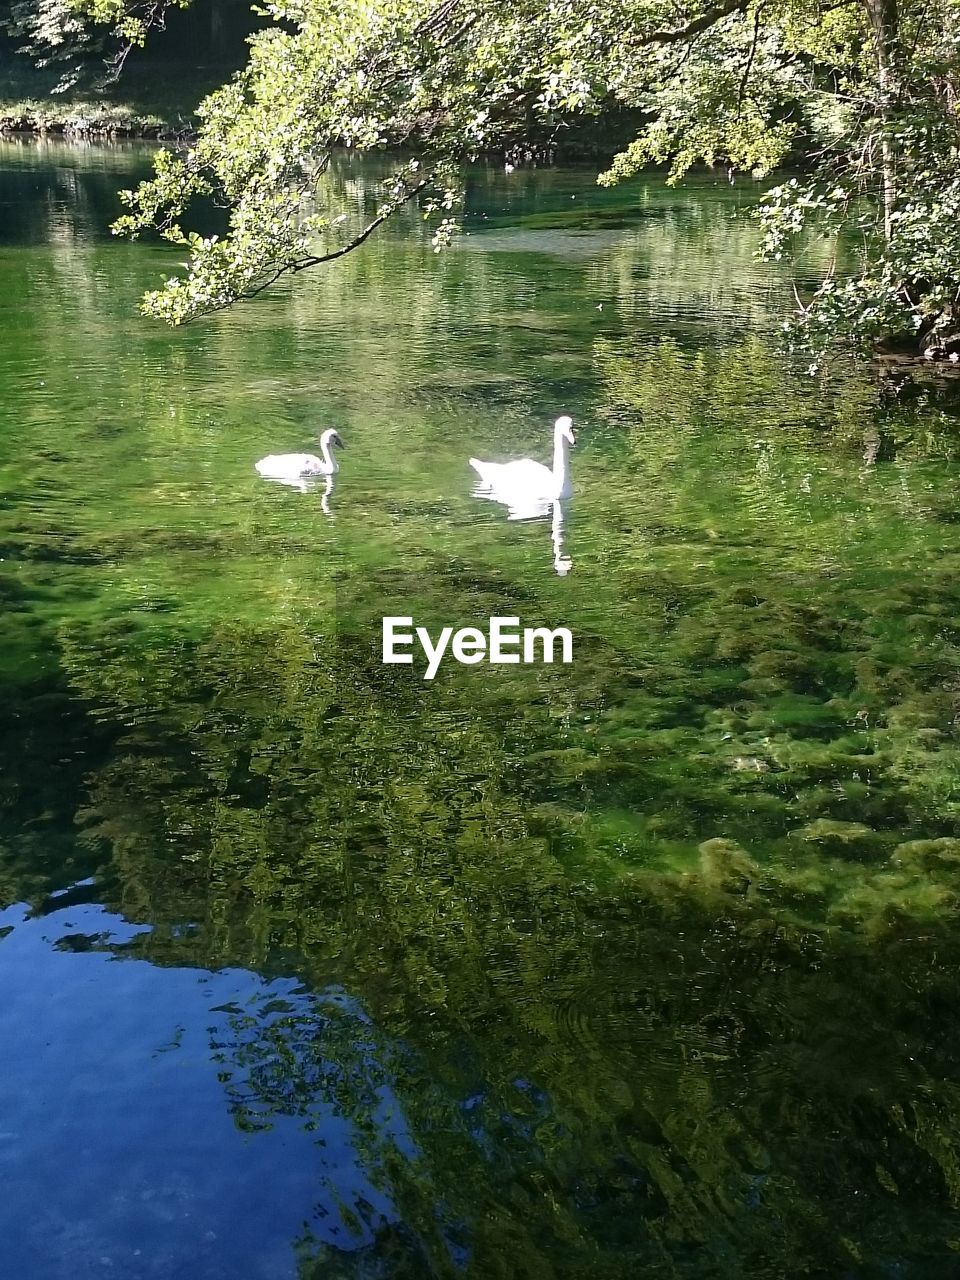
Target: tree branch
[[314, 260], [698, 25], [749, 64]]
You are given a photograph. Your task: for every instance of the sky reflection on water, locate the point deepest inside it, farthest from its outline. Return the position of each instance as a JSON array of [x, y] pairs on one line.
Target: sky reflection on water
[[123, 1147]]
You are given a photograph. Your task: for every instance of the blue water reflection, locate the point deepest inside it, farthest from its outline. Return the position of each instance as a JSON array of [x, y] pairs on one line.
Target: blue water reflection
[[141, 1134]]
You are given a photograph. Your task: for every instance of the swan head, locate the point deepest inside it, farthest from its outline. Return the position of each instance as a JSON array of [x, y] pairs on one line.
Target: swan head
[[332, 436], [563, 429]]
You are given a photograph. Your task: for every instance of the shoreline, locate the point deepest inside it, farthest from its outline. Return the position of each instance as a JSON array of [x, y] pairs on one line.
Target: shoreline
[[87, 123]]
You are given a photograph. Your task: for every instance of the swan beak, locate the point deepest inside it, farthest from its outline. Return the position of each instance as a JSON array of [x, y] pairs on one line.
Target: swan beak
[[337, 440]]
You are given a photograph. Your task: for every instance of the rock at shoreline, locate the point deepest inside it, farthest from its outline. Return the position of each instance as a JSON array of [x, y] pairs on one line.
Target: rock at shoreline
[[86, 125]]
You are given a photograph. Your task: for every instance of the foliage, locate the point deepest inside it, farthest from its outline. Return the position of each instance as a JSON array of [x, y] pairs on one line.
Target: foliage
[[863, 92], [885, 175], [53, 33], [130, 20], [87, 41]]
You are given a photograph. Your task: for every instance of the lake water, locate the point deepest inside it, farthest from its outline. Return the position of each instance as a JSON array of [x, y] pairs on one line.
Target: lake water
[[645, 965]]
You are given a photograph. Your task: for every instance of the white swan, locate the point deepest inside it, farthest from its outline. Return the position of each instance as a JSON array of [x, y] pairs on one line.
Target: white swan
[[525, 485], [288, 467]]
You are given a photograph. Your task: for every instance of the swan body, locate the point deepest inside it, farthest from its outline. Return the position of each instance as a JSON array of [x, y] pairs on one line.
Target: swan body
[[287, 467], [525, 485]]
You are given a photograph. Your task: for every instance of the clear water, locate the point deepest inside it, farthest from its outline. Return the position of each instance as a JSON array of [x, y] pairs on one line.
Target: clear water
[[642, 966]]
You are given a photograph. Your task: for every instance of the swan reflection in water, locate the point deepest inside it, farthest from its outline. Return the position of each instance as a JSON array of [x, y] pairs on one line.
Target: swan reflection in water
[[539, 510], [307, 484], [531, 491], [563, 564]]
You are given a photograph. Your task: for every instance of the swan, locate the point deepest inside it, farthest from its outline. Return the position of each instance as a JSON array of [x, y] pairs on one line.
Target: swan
[[525, 485], [288, 467]]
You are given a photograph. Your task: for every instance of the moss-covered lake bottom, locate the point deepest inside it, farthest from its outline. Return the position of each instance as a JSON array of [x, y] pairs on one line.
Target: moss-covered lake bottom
[[645, 965]]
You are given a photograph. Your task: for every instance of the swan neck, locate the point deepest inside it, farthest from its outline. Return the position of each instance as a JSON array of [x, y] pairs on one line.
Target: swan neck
[[560, 451], [328, 456]]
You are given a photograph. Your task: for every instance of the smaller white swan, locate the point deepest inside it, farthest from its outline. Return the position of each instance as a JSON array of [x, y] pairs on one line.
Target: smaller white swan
[[288, 467], [525, 485]]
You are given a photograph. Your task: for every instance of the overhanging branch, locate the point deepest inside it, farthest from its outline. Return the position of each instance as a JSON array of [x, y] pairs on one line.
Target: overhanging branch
[[698, 25], [314, 260]]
